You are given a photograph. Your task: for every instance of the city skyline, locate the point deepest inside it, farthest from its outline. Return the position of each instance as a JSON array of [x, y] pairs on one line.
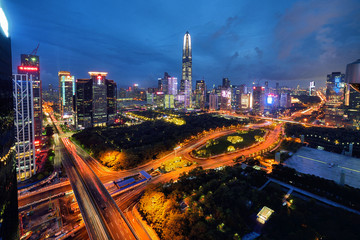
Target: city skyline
[[228, 41]]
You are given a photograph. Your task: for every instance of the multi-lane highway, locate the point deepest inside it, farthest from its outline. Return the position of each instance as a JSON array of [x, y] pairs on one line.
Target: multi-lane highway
[[93, 222], [112, 220], [106, 175]]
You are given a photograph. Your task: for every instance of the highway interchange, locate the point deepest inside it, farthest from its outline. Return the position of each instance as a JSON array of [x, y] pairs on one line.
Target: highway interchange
[[102, 216]]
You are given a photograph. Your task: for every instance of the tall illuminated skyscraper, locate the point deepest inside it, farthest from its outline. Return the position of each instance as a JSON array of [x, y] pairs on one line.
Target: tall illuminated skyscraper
[[66, 94], [186, 79], [172, 86], [95, 101], [30, 65], [24, 126]]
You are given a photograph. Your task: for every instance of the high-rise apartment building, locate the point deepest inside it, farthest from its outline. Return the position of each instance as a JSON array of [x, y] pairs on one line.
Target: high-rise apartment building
[[30, 64], [66, 94], [186, 79], [8, 187], [24, 126], [95, 101]]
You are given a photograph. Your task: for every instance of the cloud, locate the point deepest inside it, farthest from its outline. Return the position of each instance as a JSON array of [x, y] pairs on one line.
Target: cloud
[[226, 30], [326, 44], [259, 52], [303, 19]]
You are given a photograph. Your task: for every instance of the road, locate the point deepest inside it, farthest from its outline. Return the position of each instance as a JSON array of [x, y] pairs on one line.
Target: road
[[106, 175], [108, 216], [111, 217], [89, 211]]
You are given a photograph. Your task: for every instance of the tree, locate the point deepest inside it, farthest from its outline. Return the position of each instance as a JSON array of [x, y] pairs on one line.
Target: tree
[[49, 131]]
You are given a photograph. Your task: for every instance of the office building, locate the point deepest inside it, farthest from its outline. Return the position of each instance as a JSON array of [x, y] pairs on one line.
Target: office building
[[246, 101], [66, 94], [30, 64], [200, 90], [172, 86], [335, 84], [225, 83], [169, 101], [352, 93], [285, 100], [111, 91], [163, 83], [186, 79], [95, 101], [312, 88], [8, 188], [213, 101], [225, 99], [258, 100], [24, 126], [236, 92]]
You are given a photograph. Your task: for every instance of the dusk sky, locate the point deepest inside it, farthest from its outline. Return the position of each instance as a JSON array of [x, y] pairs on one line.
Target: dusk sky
[[292, 42]]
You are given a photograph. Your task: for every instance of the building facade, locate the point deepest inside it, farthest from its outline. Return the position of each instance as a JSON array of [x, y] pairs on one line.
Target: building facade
[[186, 79], [335, 84], [258, 99], [352, 93], [172, 86], [30, 64], [213, 102], [111, 101], [24, 126], [8, 188], [200, 90], [95, 101], [66, 94]]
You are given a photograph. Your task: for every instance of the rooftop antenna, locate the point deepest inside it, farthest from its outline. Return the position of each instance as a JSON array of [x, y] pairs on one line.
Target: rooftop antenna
[[35, 50]]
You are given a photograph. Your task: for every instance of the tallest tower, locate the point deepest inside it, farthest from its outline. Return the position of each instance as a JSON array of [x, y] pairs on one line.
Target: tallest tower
[[186, 80]]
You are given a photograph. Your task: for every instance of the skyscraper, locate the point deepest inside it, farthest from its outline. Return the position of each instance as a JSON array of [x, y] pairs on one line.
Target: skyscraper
[[225, 100], [24, 126], [8, 187], [30, 65], [352, 93], [258, 99], [66, 94], [335, 84], [225, 83], [172, 86], [200, 90], [213, 101], [186, 80], [95, 101], [111, 101]]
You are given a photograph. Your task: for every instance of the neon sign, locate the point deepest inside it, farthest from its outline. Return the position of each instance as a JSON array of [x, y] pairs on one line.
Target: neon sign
[[24, 68]]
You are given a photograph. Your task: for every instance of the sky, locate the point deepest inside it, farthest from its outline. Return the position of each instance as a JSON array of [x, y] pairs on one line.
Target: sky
[[290, 42]]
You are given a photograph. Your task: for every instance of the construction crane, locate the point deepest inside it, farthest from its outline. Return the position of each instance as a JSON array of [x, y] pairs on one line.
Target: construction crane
[[35, 50]]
